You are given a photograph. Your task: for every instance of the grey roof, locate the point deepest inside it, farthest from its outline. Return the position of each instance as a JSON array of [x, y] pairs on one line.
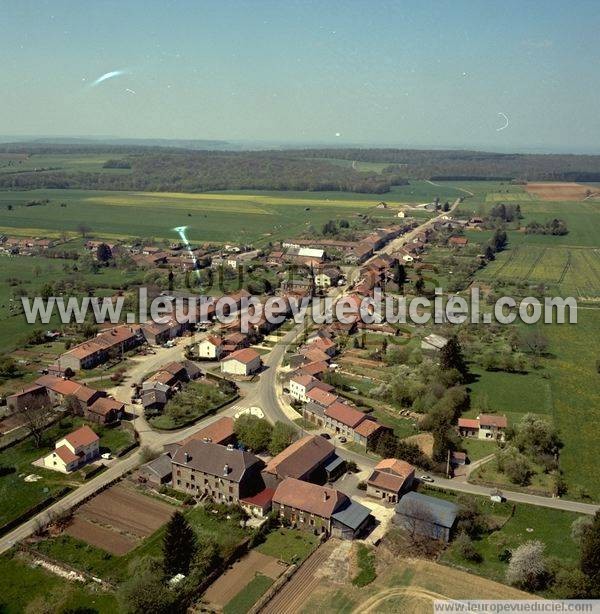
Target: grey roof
[[352, 515], [192, 369], [441, 512], [150, 397], [334, 463], [212, 458], [315, 408], [160, 466]]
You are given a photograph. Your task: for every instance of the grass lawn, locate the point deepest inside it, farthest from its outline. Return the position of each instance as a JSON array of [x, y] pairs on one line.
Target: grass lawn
[[478, 448], [552, 527], [26, 588], [512, 394], [196, 400], [289, 545], [539, 483], [17, 495], [249, 595], [366, 566]]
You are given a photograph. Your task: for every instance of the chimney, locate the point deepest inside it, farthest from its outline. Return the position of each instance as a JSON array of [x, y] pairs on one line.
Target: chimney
[[226, 469], [186, 456], [325, 496]]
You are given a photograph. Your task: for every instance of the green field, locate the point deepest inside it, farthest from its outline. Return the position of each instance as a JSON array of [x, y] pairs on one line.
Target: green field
[[218, 217], [289, 545], [24, 588], [249, 595], [89, 163]]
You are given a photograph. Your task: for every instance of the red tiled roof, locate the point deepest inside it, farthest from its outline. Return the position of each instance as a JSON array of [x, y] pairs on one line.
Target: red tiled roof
[[303, 380], [393, 465], [214, 340], [315, 354], [321, 397], [367, 427], [468, 423], [66, 387], [83, 436], [65, 455], [301, 457], [345, 414], [217, 432], [245, 355], [104, 405], [493, 420], [311, 498], [261, 499], [314, 368]]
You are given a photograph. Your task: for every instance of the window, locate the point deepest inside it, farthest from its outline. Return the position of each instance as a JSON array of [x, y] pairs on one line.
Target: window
[[193, 477], [178, 472]]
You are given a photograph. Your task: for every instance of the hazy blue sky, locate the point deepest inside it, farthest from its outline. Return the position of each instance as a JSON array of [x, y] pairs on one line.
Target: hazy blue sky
[[398, 73]]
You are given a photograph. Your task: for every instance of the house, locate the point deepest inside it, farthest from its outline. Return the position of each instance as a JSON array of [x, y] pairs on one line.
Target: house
[[242, 362], [98, 350], [154, 399], [427, 516], [58, 389], [319, 509], [220, 431], [321, 397], [157, 472], [73, 450], [210, 348], [324, 344], [485, 426], [299, 386], [328, 277], [304, 459], [32, 396], [433, 342], [368, 431], [457, 241], [158, 333], [390, 478], [223, 473], [312, 353], [342, 418], [105, 410], [258, 505]]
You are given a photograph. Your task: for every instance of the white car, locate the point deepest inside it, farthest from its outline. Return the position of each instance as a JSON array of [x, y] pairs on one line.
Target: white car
[[106, 456], [426, 478]]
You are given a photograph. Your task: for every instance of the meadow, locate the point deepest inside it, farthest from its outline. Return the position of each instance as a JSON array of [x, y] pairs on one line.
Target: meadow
[[257, 217], [92, 163]]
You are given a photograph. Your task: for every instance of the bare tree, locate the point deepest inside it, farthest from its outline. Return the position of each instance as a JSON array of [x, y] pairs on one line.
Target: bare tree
[[534, 342], [418, 523], [83, 229], [36, 415]]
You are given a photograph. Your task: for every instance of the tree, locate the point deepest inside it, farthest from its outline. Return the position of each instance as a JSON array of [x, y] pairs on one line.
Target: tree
[[470, 519], [446, 206], [399, 275], [579, 526], [179, 545], [489, 253], [83, 229], [8, 367], [451, 357], [419, 284], [532, 340], [144, 591], [103, 253], [282, 436], [527, 567], [36, 415], [590, 555], [71, 405], [253, 432], [465, 548]]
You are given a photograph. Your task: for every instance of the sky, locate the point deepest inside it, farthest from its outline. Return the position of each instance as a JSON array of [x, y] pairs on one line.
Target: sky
[[516, 76]]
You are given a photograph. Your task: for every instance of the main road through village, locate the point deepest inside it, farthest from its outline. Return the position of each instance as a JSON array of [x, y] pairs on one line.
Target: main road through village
[[265, 393]]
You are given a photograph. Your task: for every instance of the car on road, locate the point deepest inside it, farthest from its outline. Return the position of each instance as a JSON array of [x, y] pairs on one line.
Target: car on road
[[342, 439], [426, 478], [325, 435]]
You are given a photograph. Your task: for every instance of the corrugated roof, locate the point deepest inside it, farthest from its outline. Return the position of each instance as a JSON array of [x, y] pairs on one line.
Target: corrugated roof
[[352, 515], [438, 511]]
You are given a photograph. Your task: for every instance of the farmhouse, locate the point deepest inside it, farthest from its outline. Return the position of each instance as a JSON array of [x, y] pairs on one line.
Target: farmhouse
[[73, 450], [328, 277], [321, 397], [222, 473], [342, 418], [105, 410], [158, 471], [28, 397], [320, 509], [305, 460], [58, 389], [242, 362], [458, 241], [299, 386], [390, 478], [210, 348], [259, 504], [485, 426], [94, 352], [220, 431], [367, 431], [423, 515]]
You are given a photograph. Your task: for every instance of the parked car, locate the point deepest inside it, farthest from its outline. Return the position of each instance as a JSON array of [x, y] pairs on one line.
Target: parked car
[[325, 435], [426, 478], [342, 439]]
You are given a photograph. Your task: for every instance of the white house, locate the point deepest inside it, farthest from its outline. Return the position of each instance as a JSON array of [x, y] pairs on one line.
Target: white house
[[210, 348], [311, 252], [242, 362], [300, 385], [327, 278], [73, 450]]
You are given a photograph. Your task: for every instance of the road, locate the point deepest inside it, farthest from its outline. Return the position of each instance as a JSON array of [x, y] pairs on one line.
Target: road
[[266, 394]]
